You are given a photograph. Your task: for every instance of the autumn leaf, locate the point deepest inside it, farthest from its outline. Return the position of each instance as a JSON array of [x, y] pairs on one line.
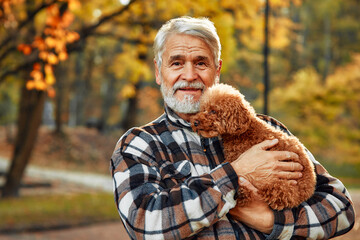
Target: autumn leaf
[[63, 56], [25, 49], [74, 5], [50, 42], [52, 48], [128, 91], [51, 92], [30, 85]]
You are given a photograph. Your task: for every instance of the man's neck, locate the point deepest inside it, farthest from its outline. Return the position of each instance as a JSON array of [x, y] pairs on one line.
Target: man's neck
[[185, 116]]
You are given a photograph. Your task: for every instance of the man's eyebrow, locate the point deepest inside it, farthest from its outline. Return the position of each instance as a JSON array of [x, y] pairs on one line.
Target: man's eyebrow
[[202, 58], [176, 57], [197, 58]]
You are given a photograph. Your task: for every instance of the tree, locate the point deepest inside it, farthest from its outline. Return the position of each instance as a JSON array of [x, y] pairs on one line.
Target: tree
[[324, 115], [50, 47], [266, 60]]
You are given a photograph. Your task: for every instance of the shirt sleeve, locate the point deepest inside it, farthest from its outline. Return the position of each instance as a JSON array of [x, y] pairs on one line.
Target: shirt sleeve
[[150, 209], [328, 213]]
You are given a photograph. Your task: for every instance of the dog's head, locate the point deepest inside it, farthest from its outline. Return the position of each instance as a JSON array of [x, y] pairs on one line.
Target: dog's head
[[223, 110]]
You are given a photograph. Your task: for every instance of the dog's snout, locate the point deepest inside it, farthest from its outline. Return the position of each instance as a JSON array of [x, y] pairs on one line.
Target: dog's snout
[[196, 123]]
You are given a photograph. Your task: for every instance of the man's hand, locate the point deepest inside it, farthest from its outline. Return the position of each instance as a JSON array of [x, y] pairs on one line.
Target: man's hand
[[257, 215], [259, 165]]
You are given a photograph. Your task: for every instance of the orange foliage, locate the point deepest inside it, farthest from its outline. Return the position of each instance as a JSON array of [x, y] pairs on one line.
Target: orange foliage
[[24, 48], [52, 47]]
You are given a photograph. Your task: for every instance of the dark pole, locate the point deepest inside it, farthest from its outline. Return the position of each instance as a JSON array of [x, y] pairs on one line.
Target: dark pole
[[266, 54]]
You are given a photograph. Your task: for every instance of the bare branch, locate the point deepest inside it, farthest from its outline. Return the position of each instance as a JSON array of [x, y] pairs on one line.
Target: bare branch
[[17, 69], [86, 31], [121, 38]]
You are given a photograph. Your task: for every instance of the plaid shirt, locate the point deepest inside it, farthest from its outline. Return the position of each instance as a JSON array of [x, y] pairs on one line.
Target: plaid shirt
[[169, 183]]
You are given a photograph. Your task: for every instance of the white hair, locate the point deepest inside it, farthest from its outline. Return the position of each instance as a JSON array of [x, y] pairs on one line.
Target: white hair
[[202, 28]]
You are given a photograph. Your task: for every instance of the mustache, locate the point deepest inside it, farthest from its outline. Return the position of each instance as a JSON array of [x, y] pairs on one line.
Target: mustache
[[186, 84]]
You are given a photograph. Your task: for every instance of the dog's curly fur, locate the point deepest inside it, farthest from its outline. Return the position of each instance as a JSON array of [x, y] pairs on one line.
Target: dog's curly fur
[[224, 111]]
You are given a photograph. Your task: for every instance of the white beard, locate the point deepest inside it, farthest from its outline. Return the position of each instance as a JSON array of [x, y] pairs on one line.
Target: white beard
[[187, 104]]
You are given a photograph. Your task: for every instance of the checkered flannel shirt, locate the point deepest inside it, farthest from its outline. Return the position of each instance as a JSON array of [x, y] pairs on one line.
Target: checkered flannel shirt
[[169, 183]]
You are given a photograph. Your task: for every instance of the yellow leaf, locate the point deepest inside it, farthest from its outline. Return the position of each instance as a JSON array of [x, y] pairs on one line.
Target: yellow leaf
[[74, 5], [63, 56], [40, 85], [30, 85], [50, 42], [52, 59], [36, 75], [50, 79], [48, 69], [128, 91]]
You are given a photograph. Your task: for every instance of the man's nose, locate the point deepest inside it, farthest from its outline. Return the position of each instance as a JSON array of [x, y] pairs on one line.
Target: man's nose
[[189, 73]]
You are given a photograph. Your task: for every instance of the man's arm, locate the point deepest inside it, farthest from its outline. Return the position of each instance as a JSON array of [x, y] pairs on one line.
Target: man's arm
[[150, 208], [257, 214], [327, 214]]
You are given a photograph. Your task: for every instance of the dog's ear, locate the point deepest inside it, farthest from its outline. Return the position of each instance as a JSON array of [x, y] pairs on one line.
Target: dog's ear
[[241, 115]]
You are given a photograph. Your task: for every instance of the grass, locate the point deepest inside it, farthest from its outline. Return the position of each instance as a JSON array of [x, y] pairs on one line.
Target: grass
[[348, 173], [350, 183], [56, 211]]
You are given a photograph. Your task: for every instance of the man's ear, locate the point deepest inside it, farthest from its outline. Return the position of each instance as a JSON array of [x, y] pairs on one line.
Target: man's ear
[[157, 73], [218, 72]]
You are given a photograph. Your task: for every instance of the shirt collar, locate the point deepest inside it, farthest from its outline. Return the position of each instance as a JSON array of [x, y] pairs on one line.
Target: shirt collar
[[175, 119]]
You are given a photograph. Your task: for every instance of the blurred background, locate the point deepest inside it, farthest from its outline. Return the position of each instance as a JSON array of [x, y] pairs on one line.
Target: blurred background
[[74, 75]]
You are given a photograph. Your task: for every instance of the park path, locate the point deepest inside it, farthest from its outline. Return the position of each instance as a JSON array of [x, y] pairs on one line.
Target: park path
[[90, 180], [106, 231], [102, 231]]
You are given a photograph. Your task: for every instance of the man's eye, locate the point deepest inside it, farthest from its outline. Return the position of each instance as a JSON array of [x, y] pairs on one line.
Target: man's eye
[[176, 64], [212, 112]]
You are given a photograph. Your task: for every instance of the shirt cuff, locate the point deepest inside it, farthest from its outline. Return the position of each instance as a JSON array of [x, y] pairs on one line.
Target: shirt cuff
[[225, 178], [283, 225]]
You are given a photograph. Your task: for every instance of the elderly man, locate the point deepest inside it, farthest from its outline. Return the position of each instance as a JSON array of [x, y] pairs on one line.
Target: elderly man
[[169, 183]]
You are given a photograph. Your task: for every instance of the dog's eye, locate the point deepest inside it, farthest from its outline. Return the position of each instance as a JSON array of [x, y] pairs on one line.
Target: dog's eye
[[212, 112]]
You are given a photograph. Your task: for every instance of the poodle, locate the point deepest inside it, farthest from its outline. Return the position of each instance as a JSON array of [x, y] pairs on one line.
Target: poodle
[[225, 112]]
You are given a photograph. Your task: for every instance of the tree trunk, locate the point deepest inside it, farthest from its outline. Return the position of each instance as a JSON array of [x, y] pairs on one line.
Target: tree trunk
[[59, 99], [129, 115], [108, 100], [30, 115], [266, 59], [82, 88], [293, 52]]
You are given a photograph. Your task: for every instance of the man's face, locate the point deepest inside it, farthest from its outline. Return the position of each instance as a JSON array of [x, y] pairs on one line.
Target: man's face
[[187, 69]]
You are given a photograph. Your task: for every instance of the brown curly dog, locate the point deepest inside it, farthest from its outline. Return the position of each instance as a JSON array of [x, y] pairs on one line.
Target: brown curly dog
[[225, 112]]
